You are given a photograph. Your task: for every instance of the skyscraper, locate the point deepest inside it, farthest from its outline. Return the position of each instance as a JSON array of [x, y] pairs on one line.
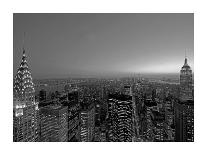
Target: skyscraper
[[184, 109], [73, 116], [87, 121], [120, 122], [184, 121], [186, 82], [129, 90], [25, 108]]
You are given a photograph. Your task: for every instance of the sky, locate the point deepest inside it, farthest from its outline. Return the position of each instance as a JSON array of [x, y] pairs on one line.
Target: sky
[[64, 45]]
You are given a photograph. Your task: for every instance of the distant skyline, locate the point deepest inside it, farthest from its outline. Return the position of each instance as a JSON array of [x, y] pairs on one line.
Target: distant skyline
[[64, 45]]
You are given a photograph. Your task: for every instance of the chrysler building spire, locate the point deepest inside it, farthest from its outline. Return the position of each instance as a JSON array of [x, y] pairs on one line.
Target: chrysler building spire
[[24, 104]]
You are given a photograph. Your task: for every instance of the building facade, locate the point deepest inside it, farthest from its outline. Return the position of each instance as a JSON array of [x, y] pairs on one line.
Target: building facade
[[120, 121], [25, 108], [186, 82], [73, 116], [184, 109], [53, 123], [87, 121]]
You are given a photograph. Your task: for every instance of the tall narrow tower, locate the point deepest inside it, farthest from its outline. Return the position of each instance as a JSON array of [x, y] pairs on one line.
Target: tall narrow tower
[[186, 82], [25, 108], [184, 109]]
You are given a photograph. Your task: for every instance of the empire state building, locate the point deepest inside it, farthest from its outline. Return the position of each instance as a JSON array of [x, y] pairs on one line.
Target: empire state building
[[184, 109], [186, 82]]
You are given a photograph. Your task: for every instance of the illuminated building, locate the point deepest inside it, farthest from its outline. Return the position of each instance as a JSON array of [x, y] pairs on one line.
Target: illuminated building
[[184, 109], [54, 123], [184, 121], [87, 121], [120, 122], [169, 118], [129, 90], [186, 82], [25, 108], [73, 116], [97, 113]]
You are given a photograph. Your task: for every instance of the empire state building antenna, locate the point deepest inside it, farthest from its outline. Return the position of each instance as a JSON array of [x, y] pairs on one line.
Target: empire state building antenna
[[185, 54]]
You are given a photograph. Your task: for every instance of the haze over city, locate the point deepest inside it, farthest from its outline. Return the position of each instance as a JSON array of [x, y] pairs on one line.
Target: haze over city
[[103, 78], [63, 45]]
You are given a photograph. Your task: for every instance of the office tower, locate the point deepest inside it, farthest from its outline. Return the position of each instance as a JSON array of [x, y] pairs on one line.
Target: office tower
[[184, 109], [73, 116], [169, 118], [120, 123], [53, 123], [87, 121], [103, 106], [42, 95], [97, 113], [158, 126], [184, 121], [25, 108], [186, 82], [129, 90], [154, 95]]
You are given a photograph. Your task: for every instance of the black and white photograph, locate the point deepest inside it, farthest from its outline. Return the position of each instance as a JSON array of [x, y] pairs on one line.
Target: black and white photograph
[[107, 77], [103, 77]]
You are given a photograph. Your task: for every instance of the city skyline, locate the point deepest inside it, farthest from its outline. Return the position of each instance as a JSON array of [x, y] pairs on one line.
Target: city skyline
[[64, 45], [129, 108]]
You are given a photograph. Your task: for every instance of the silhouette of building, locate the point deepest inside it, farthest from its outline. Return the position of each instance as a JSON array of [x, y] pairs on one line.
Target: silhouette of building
[[53, 123], [42, 95], [25, 108], [120, 122]]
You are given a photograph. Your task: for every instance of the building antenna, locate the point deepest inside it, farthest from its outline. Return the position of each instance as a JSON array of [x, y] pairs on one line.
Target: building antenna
[[23, 40], [185, 53]]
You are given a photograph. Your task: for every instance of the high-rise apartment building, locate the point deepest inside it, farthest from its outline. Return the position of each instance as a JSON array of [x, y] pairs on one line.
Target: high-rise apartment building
[[25, 108]]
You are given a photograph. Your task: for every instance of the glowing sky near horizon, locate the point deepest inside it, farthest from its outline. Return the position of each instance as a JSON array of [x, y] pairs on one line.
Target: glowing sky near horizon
[[59, 45]]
